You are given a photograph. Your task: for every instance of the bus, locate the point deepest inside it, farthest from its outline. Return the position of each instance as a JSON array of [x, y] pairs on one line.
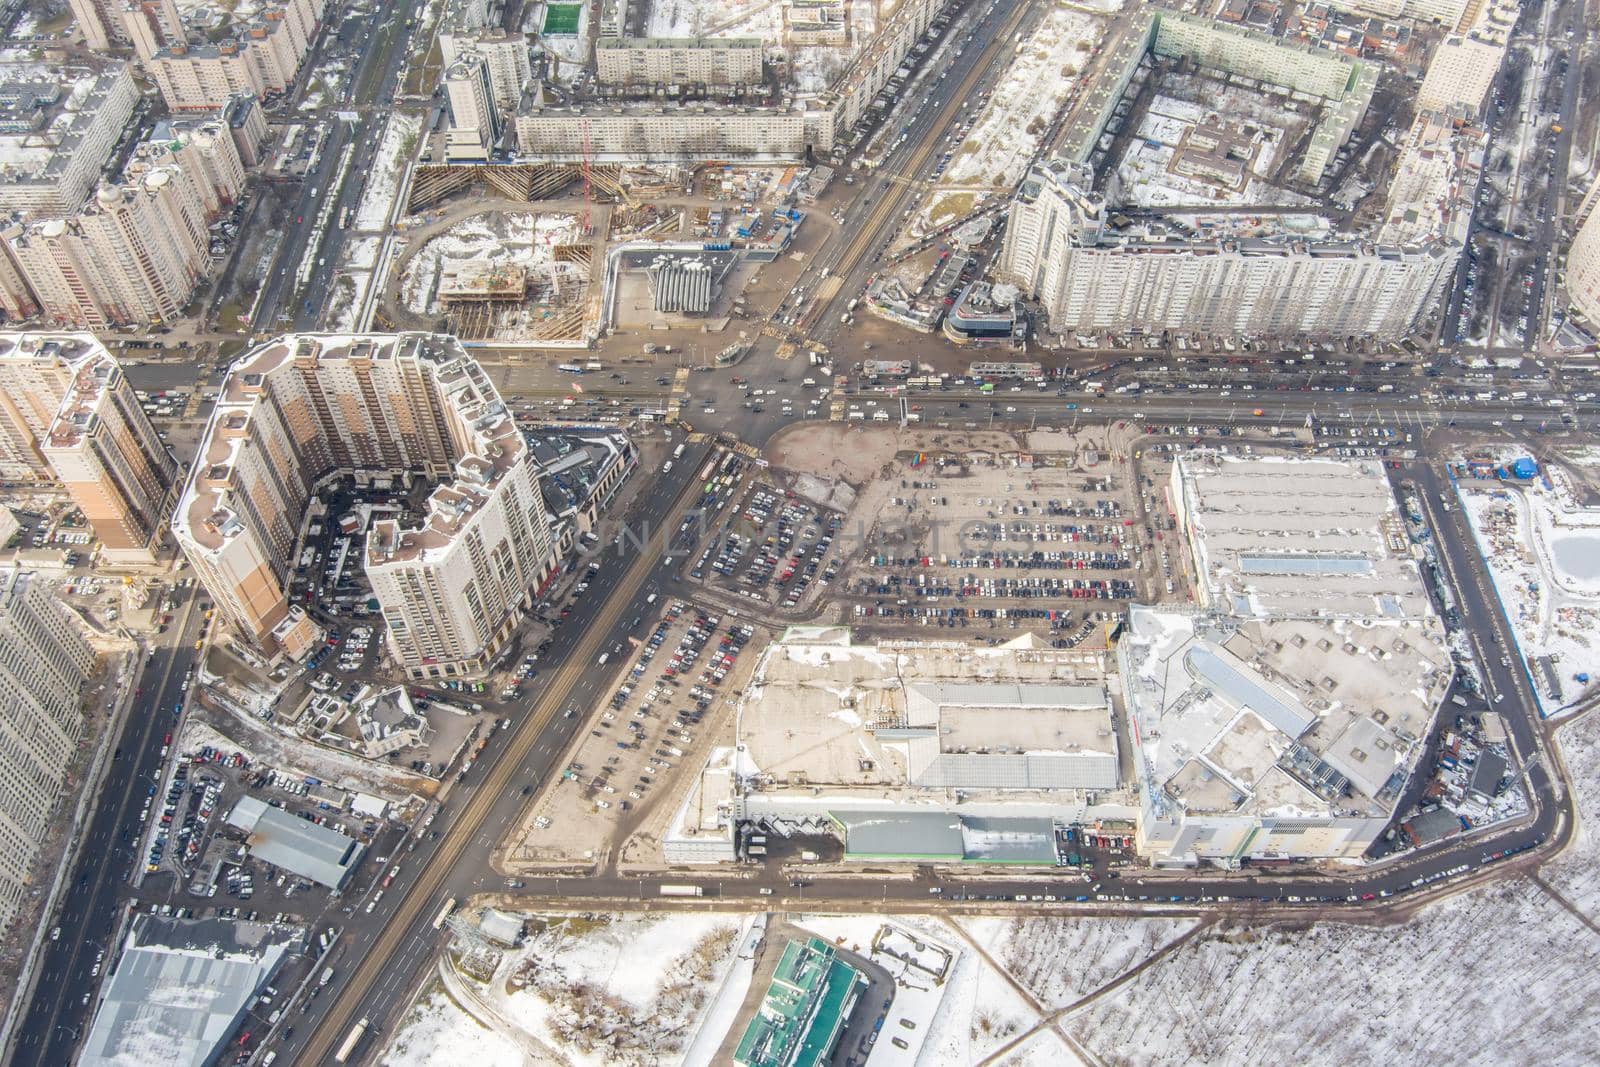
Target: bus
[[444, 913], [570, 368], [352, 1039]]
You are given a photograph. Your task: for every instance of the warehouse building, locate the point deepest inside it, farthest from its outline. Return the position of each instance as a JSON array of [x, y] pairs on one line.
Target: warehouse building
[[299, 846], [181, 987]]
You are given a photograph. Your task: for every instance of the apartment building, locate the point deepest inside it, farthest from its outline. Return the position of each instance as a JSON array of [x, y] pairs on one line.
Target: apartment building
[[56, 142], [262, 59], [1583, 261], [649, 132], [474, 119], [70, 414], [45, 660], [648, 61], [1057, 248], [151, 25], [1447, 13], [1461, 72], [302, 409], [135, 252], [100, 23], [506, 55]]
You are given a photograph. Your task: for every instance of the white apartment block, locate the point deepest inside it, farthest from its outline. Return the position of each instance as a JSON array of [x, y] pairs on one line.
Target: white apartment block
[[658, 134], [816, 22], [50, 169], [1460, 74], [848, 98], [1447, 13], [1057, 251], [505, 53], [44, 661], [645, 61], [302, 409]]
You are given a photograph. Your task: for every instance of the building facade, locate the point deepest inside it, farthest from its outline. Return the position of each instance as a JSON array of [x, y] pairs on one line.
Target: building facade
[[1583, 261], [1058, 250], [135, 253], [647, 61], [506, 55], [44, 661], [474, 119], [647, 132], [55, 165], [302, 409], [262, 60], [71, 414]]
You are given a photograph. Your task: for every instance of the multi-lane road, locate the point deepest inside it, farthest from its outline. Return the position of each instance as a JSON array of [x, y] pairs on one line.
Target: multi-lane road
[[61, 1000]]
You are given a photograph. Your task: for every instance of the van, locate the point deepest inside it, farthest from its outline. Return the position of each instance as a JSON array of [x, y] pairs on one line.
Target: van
[[666, 467], [603, 657]]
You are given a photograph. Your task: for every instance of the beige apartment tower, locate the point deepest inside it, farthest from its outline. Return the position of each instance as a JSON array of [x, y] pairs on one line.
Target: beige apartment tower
[[303, 409], [70, 414], [44, 661]]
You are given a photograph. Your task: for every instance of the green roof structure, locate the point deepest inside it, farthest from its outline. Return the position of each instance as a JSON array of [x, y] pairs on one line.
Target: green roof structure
[[804, 1011]]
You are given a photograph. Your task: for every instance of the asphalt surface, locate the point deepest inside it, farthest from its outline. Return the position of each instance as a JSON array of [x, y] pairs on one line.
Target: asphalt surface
[[62, 1001]]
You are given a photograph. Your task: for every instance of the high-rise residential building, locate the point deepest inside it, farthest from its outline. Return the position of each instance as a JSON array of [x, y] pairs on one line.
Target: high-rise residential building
[[151, 25], [1583, 260], [302, 409], [261, 60], [69, 413], [57, 136], [1461, 73], [474, 119], [505, 53], [1059, 249], [44, 661], [135, 253], [100, 23]]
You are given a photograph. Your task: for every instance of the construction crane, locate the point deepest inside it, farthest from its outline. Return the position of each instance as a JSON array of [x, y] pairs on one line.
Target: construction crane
[[584, 226]]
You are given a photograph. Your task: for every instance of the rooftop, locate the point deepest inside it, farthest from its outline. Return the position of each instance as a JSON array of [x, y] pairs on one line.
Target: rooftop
[[1279, 717], [297, 845], [1314, 537], [181, 987]]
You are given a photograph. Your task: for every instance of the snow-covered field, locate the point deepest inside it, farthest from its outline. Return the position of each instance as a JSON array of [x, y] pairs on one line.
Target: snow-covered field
[[527, 239], [1543, 554], [1576, 872], [630, 989], [1033, 90], [388, 164], [437, 1031], [1500, 975], [718, 18]]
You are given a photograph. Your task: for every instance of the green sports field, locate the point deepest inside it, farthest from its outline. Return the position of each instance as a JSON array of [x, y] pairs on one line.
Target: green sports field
[[562, 18]]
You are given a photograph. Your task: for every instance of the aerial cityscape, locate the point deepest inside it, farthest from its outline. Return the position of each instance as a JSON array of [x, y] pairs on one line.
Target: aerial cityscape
[[799, 533]]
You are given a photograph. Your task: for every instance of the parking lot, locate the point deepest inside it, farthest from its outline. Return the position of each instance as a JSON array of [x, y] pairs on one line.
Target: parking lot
[[654, 723], [770, 549], [992, 541]]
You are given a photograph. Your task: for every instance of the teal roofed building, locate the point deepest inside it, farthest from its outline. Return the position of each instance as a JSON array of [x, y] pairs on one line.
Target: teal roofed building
[[807, 1005]]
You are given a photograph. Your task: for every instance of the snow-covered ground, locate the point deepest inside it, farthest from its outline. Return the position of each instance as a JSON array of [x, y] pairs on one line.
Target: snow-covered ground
[[1499, 975], [438, 1031], [1060, 959], [1543, 554], [388, 164], [522, 238], [1576, 872], [717, 18], [586, 991], [1033, 90]]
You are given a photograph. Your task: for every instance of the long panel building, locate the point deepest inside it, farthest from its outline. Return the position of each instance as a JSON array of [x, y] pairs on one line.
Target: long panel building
[[302, 409], [1094, 270]]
